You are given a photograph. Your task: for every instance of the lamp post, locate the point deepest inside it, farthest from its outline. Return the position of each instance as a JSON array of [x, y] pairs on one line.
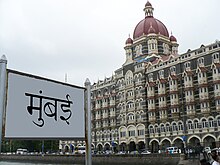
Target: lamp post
[[3, 66]]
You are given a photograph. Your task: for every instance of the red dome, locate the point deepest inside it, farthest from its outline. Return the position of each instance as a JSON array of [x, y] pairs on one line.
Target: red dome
[[172, 38], [129, 41], [144, 25]]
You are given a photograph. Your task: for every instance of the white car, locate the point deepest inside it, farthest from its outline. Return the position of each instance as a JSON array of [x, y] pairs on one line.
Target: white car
[[146, 152], [21, 151], [172, 150]]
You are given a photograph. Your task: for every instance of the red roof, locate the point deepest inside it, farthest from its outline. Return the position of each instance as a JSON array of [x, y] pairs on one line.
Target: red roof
[[174, 77], [172, 38], [144, 26], [129, 41]]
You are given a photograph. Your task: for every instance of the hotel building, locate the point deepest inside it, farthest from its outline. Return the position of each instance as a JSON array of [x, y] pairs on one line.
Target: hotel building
[[158, 98]]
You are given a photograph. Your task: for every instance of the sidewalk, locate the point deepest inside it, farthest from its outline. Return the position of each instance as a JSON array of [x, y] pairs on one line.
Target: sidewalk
[[189, 162]]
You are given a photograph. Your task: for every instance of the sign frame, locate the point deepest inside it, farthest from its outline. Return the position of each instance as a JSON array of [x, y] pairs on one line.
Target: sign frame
[[65, 102]]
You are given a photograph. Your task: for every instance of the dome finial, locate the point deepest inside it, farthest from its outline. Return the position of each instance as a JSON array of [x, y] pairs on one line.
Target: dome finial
[[148, 9]]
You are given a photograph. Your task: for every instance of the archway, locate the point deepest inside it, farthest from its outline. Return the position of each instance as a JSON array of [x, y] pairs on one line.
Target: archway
[[141, 146], [193, 142], [164, 144], [122, 147], [107, 147], [154, 146], [209, 141], [179, 143], [132, 146], [66, 149], [99, 147]]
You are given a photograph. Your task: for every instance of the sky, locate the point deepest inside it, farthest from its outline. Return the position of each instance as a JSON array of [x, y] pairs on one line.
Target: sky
[[86, 38]]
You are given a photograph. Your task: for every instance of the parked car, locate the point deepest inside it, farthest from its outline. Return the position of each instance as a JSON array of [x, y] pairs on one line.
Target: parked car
[[133, 152], [172, 150], [21, 151], [121, 153], [145, 152], [108, 152]]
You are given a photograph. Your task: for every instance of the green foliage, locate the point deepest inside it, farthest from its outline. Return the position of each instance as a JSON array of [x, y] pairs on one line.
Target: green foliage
[[31, 145]]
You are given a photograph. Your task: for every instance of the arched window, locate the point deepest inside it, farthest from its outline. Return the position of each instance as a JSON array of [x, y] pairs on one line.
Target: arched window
[[218, 121], [162, 129], [167, 127], [190, 125], [196, 124], [175, 128], [151, 129], [156, 129], [204, 123], [211, 123], [180, 126], [200, 62], [187, 66]]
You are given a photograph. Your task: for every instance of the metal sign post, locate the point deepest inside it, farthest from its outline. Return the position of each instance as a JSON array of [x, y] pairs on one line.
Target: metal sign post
[[3, 65], [88, 123]]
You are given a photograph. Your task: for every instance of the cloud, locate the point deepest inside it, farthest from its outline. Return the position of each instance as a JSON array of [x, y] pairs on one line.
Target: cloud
[[86, 38]]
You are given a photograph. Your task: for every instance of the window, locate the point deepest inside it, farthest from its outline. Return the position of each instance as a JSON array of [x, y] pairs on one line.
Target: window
[[162, 129], [150, 77], [190, 125], [187, 65], [161, 74], [215, 57], [130, 117], [180, 125], [218, 121], [173, 70], [123, 134], [196, 124], [204, 123], [211, 123], [217, 102], [175, 128], [167, 128], [131, 133], [151, 129], [140, 132], [200, 61], [156, 129]]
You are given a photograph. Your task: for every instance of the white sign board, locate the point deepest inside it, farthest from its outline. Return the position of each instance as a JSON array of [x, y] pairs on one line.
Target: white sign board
[[41, 108]]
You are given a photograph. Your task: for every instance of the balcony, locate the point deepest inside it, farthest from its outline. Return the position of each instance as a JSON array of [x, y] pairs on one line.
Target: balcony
[[205, 111], [98, 117], [191, 113], [112, 114], [112, 102], [131, 121], [163, 117], [105, 115], [104, 105], [152, 119]]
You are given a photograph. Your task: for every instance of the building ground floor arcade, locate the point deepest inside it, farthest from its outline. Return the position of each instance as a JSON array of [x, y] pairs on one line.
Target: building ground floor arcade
[[154, 144], [203, 131]]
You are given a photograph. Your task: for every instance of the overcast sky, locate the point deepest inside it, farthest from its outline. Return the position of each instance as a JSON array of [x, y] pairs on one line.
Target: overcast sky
[[86, 38]]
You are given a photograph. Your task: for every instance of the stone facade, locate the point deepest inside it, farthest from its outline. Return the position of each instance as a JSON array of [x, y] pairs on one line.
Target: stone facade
[[158, 98]]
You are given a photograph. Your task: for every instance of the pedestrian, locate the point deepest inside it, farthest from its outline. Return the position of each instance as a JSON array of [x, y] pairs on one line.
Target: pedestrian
[[204, 162], [216, 159]]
